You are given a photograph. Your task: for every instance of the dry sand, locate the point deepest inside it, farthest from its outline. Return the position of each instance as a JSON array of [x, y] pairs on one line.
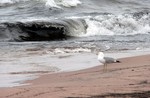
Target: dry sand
[[130, 78]]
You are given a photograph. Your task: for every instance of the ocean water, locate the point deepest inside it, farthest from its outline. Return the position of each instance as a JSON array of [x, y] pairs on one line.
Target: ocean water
[[46, 36]]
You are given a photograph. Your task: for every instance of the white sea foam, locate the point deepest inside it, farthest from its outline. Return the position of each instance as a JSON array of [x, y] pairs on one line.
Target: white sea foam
[[75, 50], [52, 3], [7, 2], [67, 50], [117, 25], [60, 3], [70, 3], [48, 3], [124, 24]]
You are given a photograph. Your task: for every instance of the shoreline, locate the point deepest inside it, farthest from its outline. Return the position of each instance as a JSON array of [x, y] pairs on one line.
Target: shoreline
[[26, 68], [130, 76]]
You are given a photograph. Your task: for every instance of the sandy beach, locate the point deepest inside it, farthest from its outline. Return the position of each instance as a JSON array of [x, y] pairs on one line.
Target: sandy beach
[[130, 78]]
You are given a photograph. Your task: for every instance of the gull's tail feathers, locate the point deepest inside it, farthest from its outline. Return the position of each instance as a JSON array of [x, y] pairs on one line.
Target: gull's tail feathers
[[117, 61]]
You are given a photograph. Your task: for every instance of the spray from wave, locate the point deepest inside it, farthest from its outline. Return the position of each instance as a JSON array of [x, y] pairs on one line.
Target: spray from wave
[[48, 3], [128, 24], [64, 3], [10, 2]]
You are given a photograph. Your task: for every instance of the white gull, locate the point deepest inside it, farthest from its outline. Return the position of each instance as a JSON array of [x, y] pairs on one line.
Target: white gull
[[106, 60]]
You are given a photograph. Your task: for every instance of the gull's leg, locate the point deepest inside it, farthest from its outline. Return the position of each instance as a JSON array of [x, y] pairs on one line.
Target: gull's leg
[[104, 68]]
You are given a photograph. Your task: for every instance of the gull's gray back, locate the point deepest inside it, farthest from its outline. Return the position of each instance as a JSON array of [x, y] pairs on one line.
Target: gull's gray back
[[109, 60]]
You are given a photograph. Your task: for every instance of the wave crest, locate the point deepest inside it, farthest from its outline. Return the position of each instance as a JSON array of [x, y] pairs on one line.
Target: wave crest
[[60, 29], [10, 2], [41, 30], [118, 25], [48, 3], [59, 3]]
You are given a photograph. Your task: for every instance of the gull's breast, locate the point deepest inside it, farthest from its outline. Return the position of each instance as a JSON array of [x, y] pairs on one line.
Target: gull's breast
[[102, 60]]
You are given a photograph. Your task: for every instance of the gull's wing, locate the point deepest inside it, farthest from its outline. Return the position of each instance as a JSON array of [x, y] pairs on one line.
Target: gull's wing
[[109, 60]]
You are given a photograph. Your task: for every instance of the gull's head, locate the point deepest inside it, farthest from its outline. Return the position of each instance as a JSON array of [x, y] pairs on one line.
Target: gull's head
[[100, 55]]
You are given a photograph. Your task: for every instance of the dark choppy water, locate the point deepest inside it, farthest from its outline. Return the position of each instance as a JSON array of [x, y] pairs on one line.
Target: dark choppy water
[[118, 24]]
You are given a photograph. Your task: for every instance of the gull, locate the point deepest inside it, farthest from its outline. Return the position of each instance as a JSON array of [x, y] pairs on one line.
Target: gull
[[106, 60]]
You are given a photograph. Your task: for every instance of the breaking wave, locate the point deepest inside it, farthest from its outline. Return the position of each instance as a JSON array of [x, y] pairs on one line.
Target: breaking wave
[[127, 24], [9, 2], [48, 3], [41, 30], [64, 3], [83, 26]]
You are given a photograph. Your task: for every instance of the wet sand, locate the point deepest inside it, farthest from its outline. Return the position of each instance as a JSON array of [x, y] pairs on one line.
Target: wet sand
[[130, 78]]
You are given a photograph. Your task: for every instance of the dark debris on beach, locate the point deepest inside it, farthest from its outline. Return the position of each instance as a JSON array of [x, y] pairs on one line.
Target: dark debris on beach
[[143, 94]]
